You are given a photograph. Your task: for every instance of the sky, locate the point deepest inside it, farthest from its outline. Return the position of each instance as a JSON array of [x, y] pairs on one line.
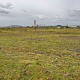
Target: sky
[[45, 12]]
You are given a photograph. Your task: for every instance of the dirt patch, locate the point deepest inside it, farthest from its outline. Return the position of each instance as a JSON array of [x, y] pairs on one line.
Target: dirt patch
[[40, 52], [35, 39], [71, 37], [15, 49]]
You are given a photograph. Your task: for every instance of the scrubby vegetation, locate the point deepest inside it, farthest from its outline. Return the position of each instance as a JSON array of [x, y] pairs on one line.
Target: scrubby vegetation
[[39, 54]]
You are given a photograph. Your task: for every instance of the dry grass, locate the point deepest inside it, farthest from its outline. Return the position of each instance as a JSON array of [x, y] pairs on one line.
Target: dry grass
[[39, 54]]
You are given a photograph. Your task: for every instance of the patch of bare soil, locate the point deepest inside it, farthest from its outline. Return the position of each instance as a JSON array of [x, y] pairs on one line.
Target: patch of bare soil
[[35, 39], [71, 37]]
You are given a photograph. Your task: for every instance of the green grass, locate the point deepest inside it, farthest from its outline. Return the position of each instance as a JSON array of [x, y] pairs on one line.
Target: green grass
[[39, 54]]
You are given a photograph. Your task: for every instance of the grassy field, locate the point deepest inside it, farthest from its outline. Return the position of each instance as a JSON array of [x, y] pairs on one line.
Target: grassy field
[[39, 54]]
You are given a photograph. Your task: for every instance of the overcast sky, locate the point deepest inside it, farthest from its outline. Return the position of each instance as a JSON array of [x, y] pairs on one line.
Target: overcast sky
[[46, 12]]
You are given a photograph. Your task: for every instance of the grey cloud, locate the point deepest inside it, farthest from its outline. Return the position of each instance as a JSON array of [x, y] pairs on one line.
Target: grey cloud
[[6, 6], [40, 17], [25, 11], [4, 11], [49, 12], [72, 17], [74, 13], [57, 18]]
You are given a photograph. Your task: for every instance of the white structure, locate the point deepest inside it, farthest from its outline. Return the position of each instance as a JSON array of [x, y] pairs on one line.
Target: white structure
[[34, 22], [72, 26]]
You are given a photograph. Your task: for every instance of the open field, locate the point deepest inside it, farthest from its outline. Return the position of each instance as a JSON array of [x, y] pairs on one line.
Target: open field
[[39, 54]]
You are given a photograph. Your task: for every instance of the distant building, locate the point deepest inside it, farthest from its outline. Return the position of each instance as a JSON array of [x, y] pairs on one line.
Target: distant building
[[34, 23], [73, 26], [15, 26]]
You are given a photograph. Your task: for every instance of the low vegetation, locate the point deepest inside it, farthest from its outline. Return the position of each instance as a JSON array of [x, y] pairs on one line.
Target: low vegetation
[[39, 54]]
